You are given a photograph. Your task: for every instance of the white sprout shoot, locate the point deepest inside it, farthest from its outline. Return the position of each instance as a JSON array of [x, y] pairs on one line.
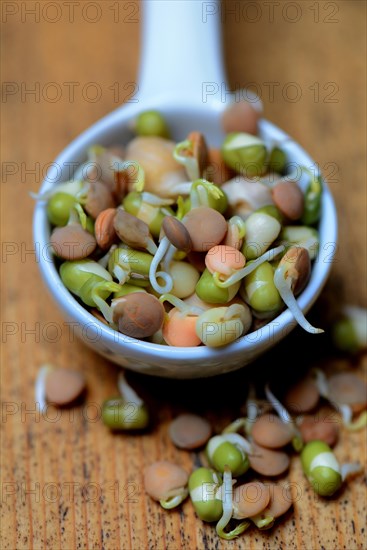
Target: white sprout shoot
[[278, 407], [235, 426], [227, 501], [167, 279], [168, 257], [349, 469], [72, 187], [226, 494], [189, 161], [312, 246], [285, 417], [127, 392], [202, 197], [151, 246], [321, 383], [252, 405], [345, 411], [175, 500], [153, 274], [232, 312], [154, 200], [239, 223], [268, 256], [239, 441], [40, 388], [182, 188], [122, 274], [284, 287], [179, 304], [253, 408], [122, 271], [100, 302]]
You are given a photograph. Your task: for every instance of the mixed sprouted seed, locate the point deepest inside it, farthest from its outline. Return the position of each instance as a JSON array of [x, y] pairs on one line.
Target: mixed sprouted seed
[[233, 488], [241, 478], [182, 244], [237, 483], [161, 240]]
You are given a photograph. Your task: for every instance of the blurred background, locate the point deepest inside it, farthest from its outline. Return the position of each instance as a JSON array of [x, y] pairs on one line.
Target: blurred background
[[65, 65]]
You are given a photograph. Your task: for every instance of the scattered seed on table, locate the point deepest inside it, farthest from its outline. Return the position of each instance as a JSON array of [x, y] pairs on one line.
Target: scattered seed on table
[[268, 462], [271, 432], [250, 499], [348, 389], [189, 431], [162, 479], [312, 428], [280, 501], [63, 386], [302, 397]]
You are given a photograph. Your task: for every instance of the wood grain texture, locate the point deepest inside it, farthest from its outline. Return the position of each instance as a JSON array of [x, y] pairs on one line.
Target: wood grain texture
[[66, 481]]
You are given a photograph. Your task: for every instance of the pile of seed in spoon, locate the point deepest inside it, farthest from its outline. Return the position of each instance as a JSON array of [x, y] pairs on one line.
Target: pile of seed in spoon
[[238, 484], [183, 244]]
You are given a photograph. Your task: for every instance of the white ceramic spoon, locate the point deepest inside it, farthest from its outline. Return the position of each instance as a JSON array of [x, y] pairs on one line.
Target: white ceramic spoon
[[182, 75]]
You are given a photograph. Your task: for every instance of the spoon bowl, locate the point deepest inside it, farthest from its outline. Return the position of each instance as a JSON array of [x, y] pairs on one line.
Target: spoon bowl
[[185, 108]]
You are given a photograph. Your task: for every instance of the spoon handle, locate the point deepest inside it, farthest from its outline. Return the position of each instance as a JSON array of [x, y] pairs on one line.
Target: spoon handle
[[182, 51]]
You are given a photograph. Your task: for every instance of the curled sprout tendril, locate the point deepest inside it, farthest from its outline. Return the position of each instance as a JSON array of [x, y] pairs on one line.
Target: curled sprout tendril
[[284, 287], [162, 250]]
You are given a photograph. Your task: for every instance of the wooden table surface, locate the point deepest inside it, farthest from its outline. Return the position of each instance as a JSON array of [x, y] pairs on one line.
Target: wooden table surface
[[66, 481]]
